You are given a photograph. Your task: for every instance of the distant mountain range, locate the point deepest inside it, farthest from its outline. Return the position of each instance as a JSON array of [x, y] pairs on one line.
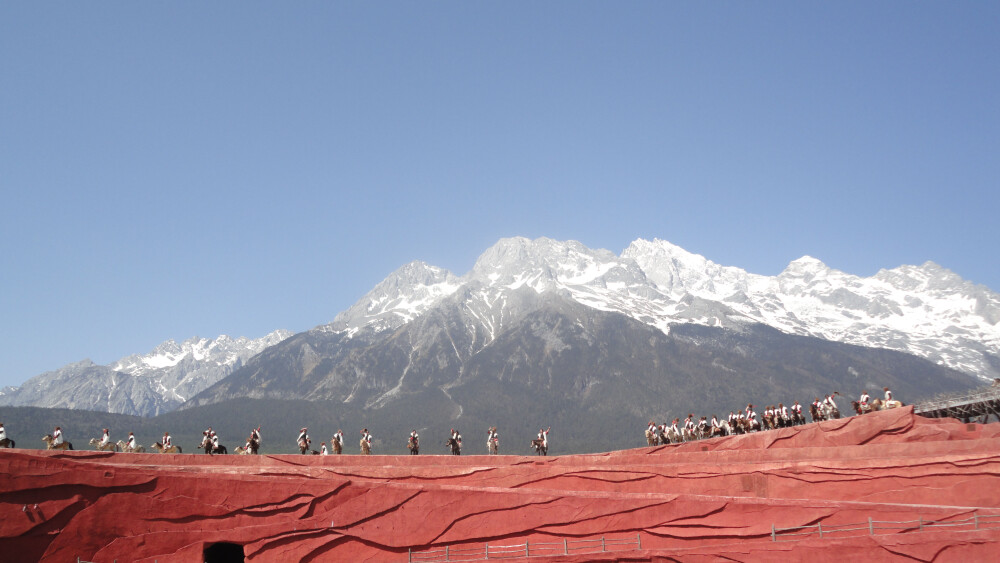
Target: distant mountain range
[[545, 329], [144, 385]]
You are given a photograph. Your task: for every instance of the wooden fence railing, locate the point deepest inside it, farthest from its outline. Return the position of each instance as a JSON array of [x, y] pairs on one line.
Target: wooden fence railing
[[468, 552], [872, 527]]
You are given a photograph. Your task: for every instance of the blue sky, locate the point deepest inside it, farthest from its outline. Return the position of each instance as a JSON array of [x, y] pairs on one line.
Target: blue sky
[[188, 168]]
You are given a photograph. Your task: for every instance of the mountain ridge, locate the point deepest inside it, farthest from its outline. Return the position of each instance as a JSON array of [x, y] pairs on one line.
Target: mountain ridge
[[423, 325], [925, 310], [141, 384]]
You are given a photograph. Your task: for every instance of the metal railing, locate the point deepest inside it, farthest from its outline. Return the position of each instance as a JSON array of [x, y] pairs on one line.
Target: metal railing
[[526, 549], [872, 527], [984, 394]]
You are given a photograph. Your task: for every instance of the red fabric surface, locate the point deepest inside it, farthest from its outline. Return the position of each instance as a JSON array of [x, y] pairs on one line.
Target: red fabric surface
[[695, 501]]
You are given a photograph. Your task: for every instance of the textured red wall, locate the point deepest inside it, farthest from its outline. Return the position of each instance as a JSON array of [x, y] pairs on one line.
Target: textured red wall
[[696, 501]]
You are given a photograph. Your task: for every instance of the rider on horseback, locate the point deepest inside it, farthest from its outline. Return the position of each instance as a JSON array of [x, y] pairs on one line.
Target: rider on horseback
[[689, 426], [130, 444], [673, 427], [366, 437], [106, 439], [492, 437], [832, 406], [322, 449], [57, 437], [864, 399], [254, 442], [303, 439], [166, 441]]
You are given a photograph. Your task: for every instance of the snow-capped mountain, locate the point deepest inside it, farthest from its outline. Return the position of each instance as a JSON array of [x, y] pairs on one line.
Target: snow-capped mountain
[[924, 310], [145, 384], [549, 330], [540, 322]]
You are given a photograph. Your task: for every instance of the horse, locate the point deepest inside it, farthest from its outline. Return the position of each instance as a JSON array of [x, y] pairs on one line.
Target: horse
[[816, 415], [336, 446], [207, 444], [49, 446], [456, 448], [122, 446], [366, 448], [540, 447], [413, 445], [109, 447], [171, 450], [651, 438], [6, 443], [880, 405], [689, 435], [673, 436], [240, 450], [735, 427], [254, 445], [304, 448], [862, 409], [769, 423]]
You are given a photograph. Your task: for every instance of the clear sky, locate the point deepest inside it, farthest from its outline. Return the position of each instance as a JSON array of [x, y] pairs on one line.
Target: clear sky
[[180, 169]]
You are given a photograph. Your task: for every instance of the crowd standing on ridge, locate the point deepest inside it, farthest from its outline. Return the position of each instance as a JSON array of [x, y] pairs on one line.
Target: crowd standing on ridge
[[739, 421], [746, 420]]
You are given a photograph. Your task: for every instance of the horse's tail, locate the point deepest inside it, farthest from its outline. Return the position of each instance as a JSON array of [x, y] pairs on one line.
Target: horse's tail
[[69, 445], [178, 449]]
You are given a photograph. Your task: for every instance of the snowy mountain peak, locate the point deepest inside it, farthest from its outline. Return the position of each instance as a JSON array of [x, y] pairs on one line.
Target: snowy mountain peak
[[142, 384], [924, 310], [806, 265], [927, 277], [679, 272], [222, 350], [400, 297], [541, 263]]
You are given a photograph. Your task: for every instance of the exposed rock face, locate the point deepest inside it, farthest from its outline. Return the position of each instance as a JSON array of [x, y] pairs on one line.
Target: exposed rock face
[[706, 499], [657, 332], [142, 384]]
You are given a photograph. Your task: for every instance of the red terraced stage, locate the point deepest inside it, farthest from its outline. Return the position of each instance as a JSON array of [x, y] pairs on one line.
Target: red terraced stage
[[736, 497]]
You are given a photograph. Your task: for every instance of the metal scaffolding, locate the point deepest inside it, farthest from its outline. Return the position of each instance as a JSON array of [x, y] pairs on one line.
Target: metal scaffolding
[[975, 406]]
